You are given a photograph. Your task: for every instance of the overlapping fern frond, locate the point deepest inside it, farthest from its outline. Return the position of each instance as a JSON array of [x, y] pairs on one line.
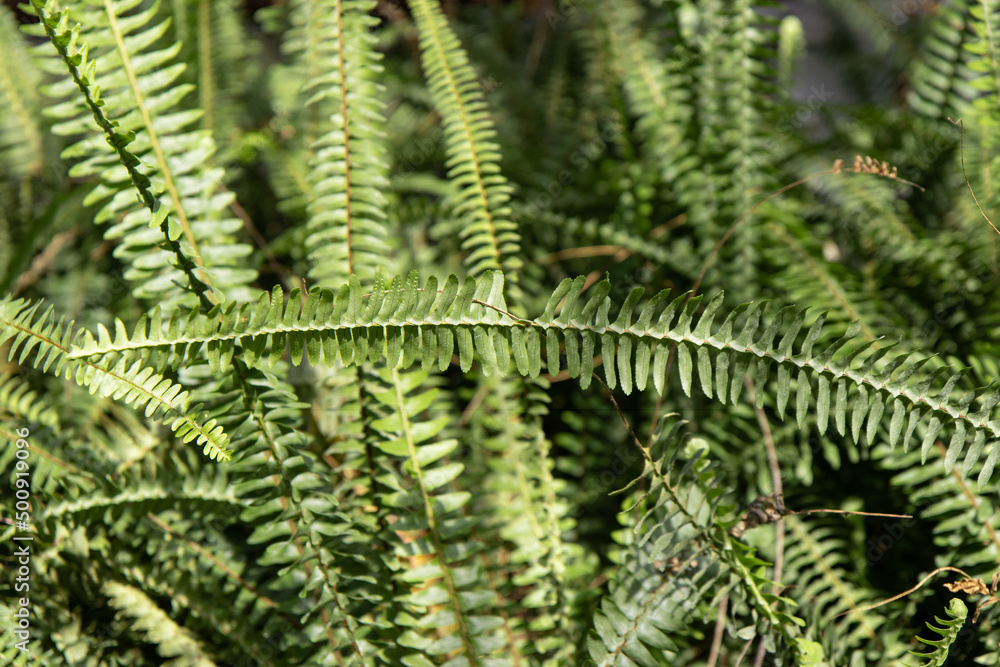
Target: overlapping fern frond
[[131, 382], [668, 570], [20, 131], [820, 577], [405, 323], [412, 476], [138, 106], [940, 77], [156, 626], [18, 399]]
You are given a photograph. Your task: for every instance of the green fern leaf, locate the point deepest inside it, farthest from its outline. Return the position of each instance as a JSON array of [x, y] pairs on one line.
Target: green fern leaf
[[180, 192], [950, 627], [482, 193], [131, 382]]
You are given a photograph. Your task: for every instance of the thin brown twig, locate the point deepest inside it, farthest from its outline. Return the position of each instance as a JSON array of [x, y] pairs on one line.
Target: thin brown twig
[[821, 511], [595, 275], [668, 226], [43, 260], [903, 594], [758, 660], [961, 127], [621, 414], [473, 405], [580, 252], [720, 630], [746, 647], [537, 44]]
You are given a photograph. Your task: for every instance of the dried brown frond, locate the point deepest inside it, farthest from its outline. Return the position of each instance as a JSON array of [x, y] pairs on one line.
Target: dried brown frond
[[869, 165]]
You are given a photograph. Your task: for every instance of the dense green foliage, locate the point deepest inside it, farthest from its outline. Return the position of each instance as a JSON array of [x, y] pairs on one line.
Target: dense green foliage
[[349, 333]]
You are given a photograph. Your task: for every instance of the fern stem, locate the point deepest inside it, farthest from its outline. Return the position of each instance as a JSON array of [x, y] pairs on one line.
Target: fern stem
[[118, 142]]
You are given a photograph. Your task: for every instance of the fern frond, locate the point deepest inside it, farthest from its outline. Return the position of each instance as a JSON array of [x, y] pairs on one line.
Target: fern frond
[[654, 86], [349, 175], [18, 399], [482, 192], [127, 504], [449, 607], [950, 627], [530, 509], [172, 640], [20, 135], [669, 568], [180, 191], [348, 205], [817, 572], [984, 59], [406, 323], [681, 556], [965, 528], [940, 77], [310, 533], [131, 382]]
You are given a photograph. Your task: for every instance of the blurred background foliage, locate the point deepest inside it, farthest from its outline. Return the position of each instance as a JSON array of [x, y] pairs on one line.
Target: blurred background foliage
[[641, 141]]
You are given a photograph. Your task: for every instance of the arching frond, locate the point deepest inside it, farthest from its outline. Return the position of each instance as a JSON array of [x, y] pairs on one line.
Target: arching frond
[[20, 131], [406, 323], [172, 641], [349, 174], [131, 382], [17, 398]]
